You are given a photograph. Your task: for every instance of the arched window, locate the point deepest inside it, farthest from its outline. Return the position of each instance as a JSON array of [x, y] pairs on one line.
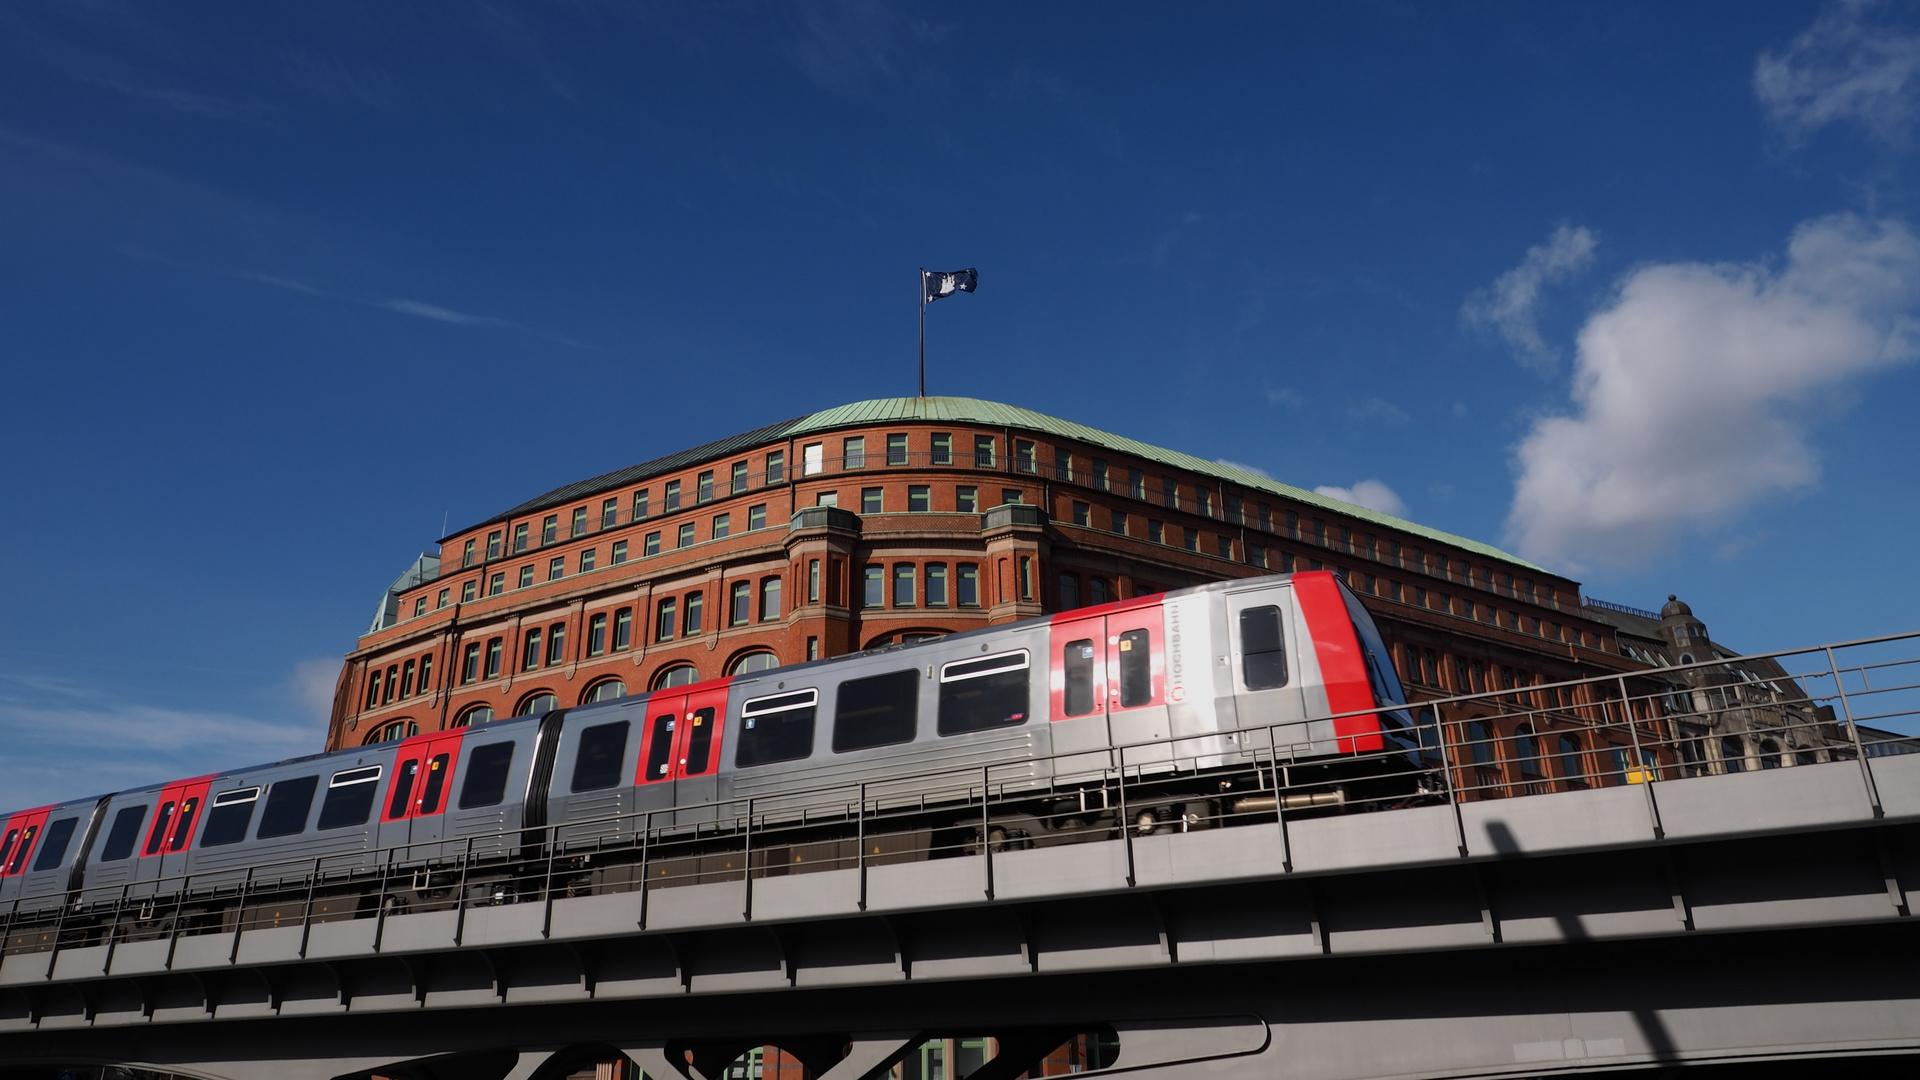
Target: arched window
[[1733, 753], [1570, 759], [479, 714], [677, 675], [537, 703], [1528, 748], [399, 729], [605, 690], [754, 661], [1769, 754], [1481, 740]]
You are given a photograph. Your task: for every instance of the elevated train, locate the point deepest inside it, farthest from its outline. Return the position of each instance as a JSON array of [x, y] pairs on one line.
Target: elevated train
[[1175, 686]]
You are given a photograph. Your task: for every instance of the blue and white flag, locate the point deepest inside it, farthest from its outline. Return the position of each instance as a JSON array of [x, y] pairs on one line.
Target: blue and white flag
[[935, 284]]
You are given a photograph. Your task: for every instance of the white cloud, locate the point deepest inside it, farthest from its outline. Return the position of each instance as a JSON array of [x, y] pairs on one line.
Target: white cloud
[[430, 311], [1510, 305], [1378, 409], [1254, 470], [1286, 396], [1843, 68], [1694, 390], [1371, 494], [312, 686]]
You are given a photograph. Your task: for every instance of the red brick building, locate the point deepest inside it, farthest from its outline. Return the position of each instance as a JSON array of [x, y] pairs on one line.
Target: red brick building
[[885, 520]]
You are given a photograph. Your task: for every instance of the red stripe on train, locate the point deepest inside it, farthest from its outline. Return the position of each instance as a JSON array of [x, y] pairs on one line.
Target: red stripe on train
[[1343, 668]]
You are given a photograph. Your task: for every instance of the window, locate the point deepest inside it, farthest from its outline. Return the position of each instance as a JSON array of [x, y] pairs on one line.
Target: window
[[776, 728], [872, 500], [373, 691], [652, 546], [526, 576], [474, 717], [549, 529], [966, 585], [466, 555], [1097, 474], [519, 538], [121, 838], [1225, 546], [942, 448], [897, 448], [812, 459], [737, 480], [982, 694], [1136, 669], [609, 513], [1155, 531], [756, 517], [497, 585], [1734, 754], [1136, 484], [1080, 513], [1346, 539], [966, 500], [882, 710], [531, 653], [1236, 515], [441, 600], [776, 467], [556, 643], [1026, 577], [1320, 532], [813, 581], [983, 451], [597, 635], [557, 568], [470, 666], [936, 584], [640, 504], [420, 606], [1263, 652], [619, 552], [875, 592], [227, 820], [769, 599], [1527, 748], [813, 648], [686, 538], [603, 749], [722, 525], [703, 487], [1170, 492], [493, 658], [622, 629], [287, 804], [1023, 458], [1119, 521], [1191, 538], [1069, 591], [691, 623], [1480, 740], [1203, 499], [1011, 497], [1096, 590], [1076, 663], [1570, 758], [677, 675], [487, 768], [1062, 464], [605, 690], [349, 801], [1257, 556], [579, 521], [919, 499], [741, 610], [53, 850], [587, 558], [827, 498], [672, 497], [853, 452], [904, 587], [663, 630]]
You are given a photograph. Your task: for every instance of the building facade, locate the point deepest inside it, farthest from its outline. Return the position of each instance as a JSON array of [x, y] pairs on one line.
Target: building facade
[[891, 520]]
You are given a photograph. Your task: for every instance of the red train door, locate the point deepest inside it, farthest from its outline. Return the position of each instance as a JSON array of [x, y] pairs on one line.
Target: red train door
[[178, 811], [422, 785], [17, 842], [1136, 673], [697, 741]]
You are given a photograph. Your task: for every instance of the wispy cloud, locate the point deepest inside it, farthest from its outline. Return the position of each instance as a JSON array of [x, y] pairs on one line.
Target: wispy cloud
[[1695, 390], [1851, 66], [432, 311], [1287, 396], [1510, 305], [840, 43], [1371, 494], [1253, 470], [1378, 409]]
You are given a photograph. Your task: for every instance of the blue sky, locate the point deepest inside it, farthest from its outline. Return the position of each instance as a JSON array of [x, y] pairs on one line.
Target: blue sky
[[1627, 288]]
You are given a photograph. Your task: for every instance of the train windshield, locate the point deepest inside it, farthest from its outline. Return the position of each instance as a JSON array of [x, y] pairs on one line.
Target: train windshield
[[1387, 691]]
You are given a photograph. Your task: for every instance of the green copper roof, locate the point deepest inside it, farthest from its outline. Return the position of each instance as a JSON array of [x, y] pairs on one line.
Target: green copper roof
[[974, 410], [961, 410]]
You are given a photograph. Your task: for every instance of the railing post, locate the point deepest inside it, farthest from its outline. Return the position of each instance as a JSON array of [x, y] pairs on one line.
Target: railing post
[[240, 916], [113, 931], [173, 928], [380, 902], [460, 895], [646, 835], [1126, 821], [1853, 729], [1279, 809], [746, 859], [546, 886], [986, 830], [1446, 777], [860, 835], [306, 915], [1640, 759]]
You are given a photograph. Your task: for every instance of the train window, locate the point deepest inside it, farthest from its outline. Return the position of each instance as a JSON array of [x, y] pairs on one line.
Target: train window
[[54, 850], [1263, 653], [877, 711], [1076, 696], [350, 796], [699, 743], [231, 813], [660, 752], [486, 783], [160, 822], [1136, 669], [183, 828], [402, 789], [436, 783], [287, 804], [6, 847], [990, 692], [778, 728], [602, 748], [26, 845], [123, 835]]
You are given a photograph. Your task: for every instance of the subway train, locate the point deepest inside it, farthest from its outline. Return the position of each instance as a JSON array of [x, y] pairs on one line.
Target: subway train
[[1173, 690]]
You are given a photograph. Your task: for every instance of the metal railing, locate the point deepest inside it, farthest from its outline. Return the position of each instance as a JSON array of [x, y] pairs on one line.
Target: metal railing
[[1615, 730]]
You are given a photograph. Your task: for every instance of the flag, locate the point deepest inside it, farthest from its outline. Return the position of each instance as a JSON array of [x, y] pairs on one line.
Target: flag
[[935, 284]]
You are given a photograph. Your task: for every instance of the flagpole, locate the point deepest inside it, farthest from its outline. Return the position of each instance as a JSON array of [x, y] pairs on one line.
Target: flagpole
[[923, 331]]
